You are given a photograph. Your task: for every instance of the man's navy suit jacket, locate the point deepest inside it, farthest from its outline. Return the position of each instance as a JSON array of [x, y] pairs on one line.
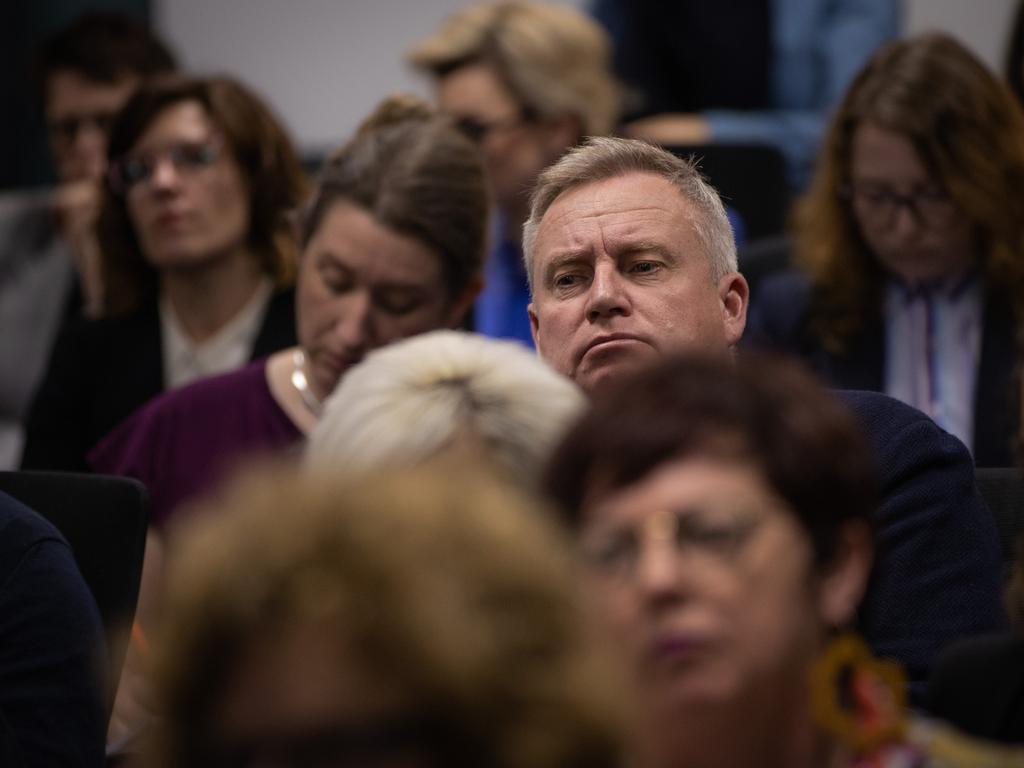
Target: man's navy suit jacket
[[938, 565]]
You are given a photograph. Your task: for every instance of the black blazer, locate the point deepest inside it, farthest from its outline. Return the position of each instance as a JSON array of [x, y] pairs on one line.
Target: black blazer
[[779, 319], [937, 574], [100, 371]]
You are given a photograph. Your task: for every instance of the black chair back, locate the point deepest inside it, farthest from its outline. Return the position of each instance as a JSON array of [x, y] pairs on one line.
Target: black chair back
[[751, 178], [104, 520], [1003, 491], [763, 258]]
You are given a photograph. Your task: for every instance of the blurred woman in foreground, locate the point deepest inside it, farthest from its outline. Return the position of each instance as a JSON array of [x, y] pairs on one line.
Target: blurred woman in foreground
[[723, 509], [406, 620]]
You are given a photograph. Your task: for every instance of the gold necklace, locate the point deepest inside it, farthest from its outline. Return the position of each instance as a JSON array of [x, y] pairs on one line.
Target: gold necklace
[[301, 384]]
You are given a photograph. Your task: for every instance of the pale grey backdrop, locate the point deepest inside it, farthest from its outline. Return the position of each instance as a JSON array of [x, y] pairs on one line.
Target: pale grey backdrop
[[324, 63]]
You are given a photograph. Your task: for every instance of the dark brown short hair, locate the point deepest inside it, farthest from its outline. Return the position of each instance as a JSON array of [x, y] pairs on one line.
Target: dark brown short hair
[[417, 175], [104, 46], [259, 145], [770, 413]]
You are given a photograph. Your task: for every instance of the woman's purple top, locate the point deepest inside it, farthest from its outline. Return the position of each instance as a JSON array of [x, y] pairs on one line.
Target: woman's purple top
[[184, 441]]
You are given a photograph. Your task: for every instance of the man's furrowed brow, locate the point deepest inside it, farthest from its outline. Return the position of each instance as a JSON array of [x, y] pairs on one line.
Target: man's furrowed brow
[[632, 247], [565, 259]]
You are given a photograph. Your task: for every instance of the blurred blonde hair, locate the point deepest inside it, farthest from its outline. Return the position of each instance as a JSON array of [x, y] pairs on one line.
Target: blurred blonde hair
[[420, 397], [455, 589], [554, 59]]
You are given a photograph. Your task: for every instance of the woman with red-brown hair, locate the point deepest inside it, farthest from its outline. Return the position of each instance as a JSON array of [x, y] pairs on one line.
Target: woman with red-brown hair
[[910, 243]]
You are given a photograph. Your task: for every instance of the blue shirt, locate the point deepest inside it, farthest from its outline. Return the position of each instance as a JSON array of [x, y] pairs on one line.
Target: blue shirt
[[500, 310], [818, 46]]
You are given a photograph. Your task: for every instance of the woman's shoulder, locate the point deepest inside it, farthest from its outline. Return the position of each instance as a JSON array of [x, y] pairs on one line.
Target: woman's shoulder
[[195, 409], [90, 352], [86, 335], [214, 397], [178, 443], [248, 382]]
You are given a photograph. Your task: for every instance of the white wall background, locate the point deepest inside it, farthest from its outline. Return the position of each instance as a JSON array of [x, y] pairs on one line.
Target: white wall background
[[323, 64], [984, 25]]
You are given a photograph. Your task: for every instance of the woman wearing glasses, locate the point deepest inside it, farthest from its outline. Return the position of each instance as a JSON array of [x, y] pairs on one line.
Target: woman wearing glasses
[[198, 257], [727, 512], [910, 243], [391, 246]]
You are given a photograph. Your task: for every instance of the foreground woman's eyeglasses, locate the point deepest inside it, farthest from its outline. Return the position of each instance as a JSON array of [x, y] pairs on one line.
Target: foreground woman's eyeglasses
[[719, 533]]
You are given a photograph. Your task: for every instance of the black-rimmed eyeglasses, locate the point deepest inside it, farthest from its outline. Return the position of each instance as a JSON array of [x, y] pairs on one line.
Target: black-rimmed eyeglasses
[[930, 206]]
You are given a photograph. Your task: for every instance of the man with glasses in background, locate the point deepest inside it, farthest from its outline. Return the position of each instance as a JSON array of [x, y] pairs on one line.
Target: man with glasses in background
[[85, 75]]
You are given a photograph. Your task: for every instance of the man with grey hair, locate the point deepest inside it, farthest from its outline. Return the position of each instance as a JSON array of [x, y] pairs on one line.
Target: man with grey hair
[[629, 255]]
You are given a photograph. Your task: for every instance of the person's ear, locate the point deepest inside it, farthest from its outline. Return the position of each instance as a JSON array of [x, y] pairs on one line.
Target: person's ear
[[735, 296], [534, 325], [844, 580], [460, 306]]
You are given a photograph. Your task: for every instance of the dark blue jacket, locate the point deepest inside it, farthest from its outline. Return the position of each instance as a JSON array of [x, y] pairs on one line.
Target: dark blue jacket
[[938, 564], [52, 707]]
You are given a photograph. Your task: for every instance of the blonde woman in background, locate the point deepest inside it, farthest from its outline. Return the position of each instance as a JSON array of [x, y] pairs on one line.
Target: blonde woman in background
[[526, 81]]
